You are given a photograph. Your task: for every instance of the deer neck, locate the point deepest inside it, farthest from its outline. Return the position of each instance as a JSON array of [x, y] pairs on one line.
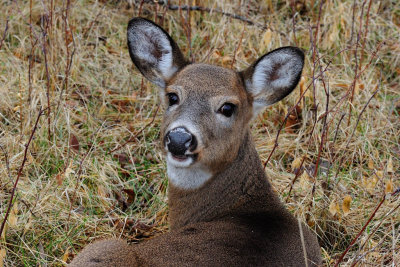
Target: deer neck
[[242, 187]]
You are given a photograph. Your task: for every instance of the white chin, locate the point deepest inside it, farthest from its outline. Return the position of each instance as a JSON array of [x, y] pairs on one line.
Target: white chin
[[179, 163]]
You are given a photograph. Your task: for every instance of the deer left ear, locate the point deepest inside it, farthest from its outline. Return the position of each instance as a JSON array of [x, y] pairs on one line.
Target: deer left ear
[[274, 76], [153, 51]]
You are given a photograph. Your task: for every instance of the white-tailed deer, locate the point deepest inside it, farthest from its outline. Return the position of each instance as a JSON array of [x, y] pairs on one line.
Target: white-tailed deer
[[222, 209]]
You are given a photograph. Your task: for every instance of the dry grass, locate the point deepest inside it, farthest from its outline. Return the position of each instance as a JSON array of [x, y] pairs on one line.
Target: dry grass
[[74, 190]]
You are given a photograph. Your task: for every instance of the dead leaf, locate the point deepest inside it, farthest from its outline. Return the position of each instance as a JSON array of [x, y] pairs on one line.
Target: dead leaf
[[123, 159], [3, 234], [389, 166], [12, 217], [370, 164], [333, 208], [370, 183], [68, 172], [379, 174], [296, 163], [346, 205], [66, 255], [121, 200], [74, 143], [389, 187], [131, 195], [304, 181], [266, 39], [294, 120], [226, 61], [2, 256], [59, 178]]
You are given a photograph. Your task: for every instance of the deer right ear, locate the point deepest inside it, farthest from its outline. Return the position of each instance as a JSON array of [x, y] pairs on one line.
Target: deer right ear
[[273, 76], [153, 51]]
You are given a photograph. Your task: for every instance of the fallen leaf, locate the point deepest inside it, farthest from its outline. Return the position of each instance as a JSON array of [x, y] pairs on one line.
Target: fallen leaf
[[296, 163], [294, 120], [226, 61], [333, 208], [74, 143], [304, 181], [12, 217], [59, 178], [68, 172], [389, 166], [370, 164], [379, 174], [2, 256], [389, 187], [131, 195], [370, 183], [267, 38], [66, 255], [346, 205]]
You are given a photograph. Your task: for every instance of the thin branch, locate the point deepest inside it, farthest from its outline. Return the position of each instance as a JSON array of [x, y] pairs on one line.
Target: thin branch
[[20, 170], [211, 10], [4, 34], [237, 47], [365, 226], [362, 111]]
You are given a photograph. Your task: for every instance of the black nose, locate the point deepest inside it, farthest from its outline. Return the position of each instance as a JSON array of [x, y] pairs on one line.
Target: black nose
[[179, 140]]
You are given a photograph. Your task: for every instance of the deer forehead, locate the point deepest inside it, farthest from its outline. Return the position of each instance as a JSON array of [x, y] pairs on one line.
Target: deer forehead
[[209, 81]]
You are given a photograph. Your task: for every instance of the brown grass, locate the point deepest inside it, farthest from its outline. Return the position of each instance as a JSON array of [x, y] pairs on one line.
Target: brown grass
[[343, 142]]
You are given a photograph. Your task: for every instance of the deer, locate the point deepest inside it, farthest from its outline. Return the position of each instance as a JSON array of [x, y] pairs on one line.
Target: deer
[[223, 211]]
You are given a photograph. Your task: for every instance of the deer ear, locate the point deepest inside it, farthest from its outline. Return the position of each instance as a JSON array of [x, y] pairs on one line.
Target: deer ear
[[153, 51], [273, 76]]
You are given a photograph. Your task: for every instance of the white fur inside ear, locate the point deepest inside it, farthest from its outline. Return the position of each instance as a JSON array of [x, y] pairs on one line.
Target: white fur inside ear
[[274, 72], [149, 44]]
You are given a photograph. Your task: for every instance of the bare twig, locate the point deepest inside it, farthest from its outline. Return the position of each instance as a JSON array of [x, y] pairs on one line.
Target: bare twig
[[365, 34], [356, 76], [211, 10], [365, 226], [237, 48], [45, 51], [7, 162], [69, 38], [20, 170], [357, 259], [4, 34], [352, 22], [359, 115]]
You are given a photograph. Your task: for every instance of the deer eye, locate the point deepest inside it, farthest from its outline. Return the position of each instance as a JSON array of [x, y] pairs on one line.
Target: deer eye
[[173, 99], [227, 109]]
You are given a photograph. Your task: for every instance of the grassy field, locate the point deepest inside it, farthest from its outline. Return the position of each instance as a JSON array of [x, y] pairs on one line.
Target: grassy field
[[79, 127]]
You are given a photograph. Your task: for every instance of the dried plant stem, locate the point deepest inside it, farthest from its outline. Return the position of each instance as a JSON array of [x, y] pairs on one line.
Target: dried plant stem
[[365, 34], [237, 47], [364, 227], [45, 51], [10, 202], [180, 7], [4, 34]]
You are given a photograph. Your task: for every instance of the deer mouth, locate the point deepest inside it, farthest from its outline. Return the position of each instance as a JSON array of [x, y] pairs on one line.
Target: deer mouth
[[182, 160]]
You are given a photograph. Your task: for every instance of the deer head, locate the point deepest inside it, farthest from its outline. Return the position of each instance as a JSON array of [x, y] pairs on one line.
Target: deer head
[[207, 108]]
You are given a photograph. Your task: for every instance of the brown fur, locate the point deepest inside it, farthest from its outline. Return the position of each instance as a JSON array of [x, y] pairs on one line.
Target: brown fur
[[235, 218]]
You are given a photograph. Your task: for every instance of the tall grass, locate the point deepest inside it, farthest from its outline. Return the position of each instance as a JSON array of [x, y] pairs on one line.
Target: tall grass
[[94, 169]]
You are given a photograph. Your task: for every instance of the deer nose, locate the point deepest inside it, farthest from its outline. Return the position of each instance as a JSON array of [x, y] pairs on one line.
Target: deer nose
[[179, 140]]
